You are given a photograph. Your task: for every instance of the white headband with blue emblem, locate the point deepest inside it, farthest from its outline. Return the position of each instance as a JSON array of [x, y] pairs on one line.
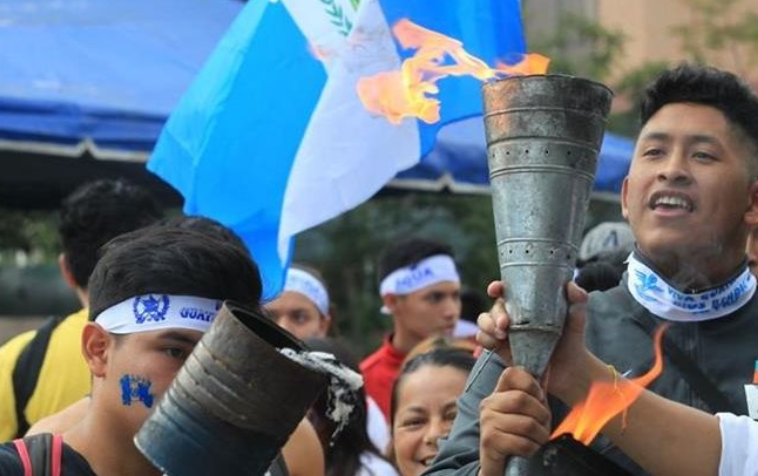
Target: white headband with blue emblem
[[303, 282], [432, 270], [152, 312]]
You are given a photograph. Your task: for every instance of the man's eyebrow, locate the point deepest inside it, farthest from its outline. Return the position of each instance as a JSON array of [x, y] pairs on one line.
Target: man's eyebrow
[[703, 138], [691, 138], [662, 136], [179, 337]]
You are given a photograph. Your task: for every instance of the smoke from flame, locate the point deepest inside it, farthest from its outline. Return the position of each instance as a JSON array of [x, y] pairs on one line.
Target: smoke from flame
[[409, 92], [605, 400]]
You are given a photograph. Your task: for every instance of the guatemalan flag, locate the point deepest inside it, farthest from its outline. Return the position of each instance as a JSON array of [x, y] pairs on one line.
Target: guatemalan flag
[[271, 140]]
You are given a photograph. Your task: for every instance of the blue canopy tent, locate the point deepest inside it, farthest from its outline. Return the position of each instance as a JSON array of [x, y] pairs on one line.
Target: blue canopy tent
[[87, 85]]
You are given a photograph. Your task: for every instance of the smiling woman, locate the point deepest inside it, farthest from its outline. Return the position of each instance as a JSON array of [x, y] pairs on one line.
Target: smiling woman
[[423, 406]]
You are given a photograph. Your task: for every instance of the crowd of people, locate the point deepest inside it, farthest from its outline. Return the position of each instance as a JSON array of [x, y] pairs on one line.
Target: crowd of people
[[74, 392]]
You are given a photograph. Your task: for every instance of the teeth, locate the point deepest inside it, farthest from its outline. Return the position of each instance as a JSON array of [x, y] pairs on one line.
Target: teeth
[[673, 202]]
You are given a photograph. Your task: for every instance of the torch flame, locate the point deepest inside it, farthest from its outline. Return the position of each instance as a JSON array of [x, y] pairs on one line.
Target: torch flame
[[531, 64], [407, 93], [605, 400]]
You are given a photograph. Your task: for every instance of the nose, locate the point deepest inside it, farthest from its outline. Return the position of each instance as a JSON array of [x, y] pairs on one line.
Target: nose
[[437, 429], [675, 169], [452, 307]]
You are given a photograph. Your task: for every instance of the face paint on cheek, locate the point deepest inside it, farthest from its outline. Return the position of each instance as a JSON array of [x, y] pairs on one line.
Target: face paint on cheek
[[136, 389]]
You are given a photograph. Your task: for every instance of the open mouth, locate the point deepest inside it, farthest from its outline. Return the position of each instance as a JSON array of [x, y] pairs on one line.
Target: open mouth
[[427, 461], [671, 201]]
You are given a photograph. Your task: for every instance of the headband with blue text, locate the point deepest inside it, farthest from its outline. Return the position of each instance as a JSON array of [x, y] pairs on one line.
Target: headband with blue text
[[152, 312], [303, 282], [432, 270]]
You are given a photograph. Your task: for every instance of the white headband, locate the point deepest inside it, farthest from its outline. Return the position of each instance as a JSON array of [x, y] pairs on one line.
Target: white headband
[[305, 283], [152, 312], [432, 270]]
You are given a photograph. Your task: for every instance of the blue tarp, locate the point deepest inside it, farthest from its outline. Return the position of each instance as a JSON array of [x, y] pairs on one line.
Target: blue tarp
[[105, 71], [459, 162], [104, 76]]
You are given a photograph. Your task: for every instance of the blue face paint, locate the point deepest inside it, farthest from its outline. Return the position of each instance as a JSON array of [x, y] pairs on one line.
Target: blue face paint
[[134, 388]]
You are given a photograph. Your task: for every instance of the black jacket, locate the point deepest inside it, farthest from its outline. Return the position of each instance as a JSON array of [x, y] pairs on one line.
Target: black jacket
[[725, 349]]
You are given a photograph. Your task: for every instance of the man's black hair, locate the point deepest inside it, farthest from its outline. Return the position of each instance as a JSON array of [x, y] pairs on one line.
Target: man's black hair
[[97, 212], [708, 86], [205, 225], [410, 252], [173, 260]]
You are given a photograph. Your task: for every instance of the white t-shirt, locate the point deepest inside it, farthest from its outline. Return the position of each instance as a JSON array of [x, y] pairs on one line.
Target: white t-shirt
[[739, 445], [376, 426], [372, 465], [464, 329]]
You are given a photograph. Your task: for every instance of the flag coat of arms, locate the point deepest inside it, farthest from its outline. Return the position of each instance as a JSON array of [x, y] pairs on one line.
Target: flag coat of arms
[[271, 137]]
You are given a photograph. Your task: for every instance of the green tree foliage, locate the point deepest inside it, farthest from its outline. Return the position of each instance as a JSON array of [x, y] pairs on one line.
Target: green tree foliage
[[31, 232], [631, 86], [581, 47], [721, 29], [717, 31]]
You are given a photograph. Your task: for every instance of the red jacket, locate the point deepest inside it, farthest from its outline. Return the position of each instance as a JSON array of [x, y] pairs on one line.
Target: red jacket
[[380, 370]]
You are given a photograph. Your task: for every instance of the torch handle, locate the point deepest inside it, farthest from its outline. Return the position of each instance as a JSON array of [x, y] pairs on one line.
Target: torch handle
[[517, 466]]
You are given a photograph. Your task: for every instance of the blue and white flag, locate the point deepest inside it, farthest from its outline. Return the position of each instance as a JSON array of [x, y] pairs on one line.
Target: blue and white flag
[[271, 141]]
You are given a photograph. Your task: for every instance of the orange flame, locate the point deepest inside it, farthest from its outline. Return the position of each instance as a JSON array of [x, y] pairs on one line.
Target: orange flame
[[605, 400], [407, 93], [531, 64]]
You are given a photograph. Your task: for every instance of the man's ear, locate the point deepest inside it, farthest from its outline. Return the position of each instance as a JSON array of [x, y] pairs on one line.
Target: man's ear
[[390, 302], [96, 345], [326, 323], [68, 275], [624, 198]]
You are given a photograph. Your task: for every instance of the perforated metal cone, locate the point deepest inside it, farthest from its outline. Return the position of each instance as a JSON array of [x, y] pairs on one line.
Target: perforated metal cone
[[543, 137], [233, 404]]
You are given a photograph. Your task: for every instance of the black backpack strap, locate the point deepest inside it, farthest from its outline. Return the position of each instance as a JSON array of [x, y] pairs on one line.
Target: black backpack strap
[[693, 375], [27, 369], [43, 454], [40, 448]]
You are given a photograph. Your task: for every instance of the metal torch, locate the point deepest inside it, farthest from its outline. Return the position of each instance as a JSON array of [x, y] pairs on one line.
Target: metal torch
[[543, 137]]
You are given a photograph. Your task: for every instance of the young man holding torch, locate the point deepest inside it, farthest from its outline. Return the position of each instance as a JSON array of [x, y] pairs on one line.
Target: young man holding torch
[[691, 198], [653, 431]]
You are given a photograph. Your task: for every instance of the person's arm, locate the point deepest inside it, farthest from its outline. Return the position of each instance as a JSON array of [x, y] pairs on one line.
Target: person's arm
[[664, 437], [459, 453], [9, 353], [303, 453]]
